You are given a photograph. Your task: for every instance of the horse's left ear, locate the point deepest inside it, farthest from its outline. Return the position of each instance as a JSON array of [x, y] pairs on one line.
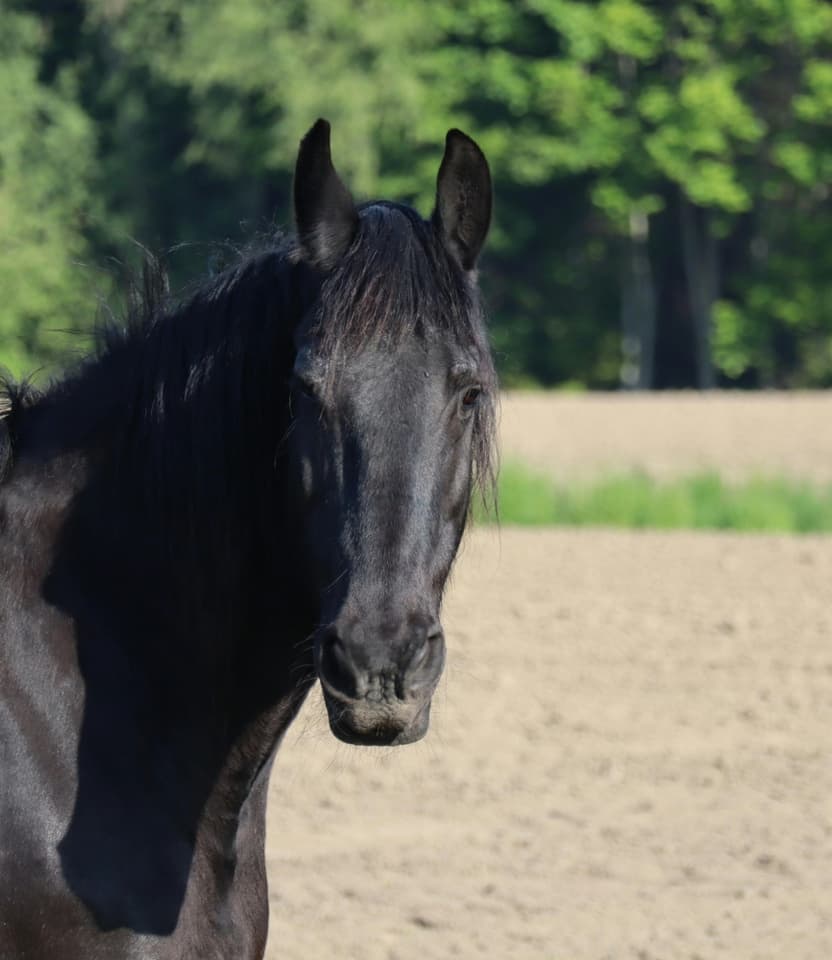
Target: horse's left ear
[[325, 215], [463, 199]]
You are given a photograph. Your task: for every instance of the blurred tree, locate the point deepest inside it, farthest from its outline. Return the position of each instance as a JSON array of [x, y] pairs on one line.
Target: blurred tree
[[681, 113], [254, 77], [46, 159], [662, 169], [721, 124], [774, 324]]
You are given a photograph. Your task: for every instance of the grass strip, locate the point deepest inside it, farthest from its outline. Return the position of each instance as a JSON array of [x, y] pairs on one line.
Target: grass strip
[[633, 499]]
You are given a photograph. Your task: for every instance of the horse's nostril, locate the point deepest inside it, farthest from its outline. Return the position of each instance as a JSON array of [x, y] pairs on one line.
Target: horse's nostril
[[425, 664], [419, 656], [336, 670]]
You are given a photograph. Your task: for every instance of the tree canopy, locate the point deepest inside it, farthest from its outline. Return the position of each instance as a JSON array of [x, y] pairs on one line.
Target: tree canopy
[[662, 170]]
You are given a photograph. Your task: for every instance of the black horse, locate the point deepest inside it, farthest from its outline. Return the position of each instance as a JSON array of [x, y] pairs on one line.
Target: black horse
[[264, 484]]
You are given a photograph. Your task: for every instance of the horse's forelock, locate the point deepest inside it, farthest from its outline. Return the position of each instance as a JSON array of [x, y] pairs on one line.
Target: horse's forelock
[[396, 281]]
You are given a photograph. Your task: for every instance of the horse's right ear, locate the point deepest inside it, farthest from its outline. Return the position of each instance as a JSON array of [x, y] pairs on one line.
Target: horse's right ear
[[325, 215]]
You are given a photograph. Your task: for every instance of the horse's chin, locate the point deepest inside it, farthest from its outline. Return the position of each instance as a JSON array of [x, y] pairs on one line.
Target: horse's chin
[[378, 725]]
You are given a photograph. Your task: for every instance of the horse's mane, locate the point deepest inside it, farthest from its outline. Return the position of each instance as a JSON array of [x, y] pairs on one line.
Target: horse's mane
[[157, 358]]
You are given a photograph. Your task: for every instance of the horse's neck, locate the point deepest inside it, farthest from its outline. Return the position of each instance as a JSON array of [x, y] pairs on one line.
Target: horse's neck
[[187, 675], [169, 550]]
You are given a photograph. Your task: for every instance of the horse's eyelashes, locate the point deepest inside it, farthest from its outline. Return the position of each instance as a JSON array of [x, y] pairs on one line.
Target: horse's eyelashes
[[470, 398]]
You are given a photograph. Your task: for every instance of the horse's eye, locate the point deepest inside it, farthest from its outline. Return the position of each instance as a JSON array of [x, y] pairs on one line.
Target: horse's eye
[[470, 398]]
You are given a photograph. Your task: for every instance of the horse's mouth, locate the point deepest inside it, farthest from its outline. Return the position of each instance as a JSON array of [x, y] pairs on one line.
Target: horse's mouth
[[387, 704], [374, 725]]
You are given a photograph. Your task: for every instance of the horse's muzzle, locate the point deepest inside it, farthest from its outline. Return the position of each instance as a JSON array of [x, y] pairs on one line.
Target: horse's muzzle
[[379, 693]]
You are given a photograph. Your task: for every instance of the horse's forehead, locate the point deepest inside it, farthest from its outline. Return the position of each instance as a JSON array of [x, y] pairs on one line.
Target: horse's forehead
[[387, 214], [414, 367], [391, 232]]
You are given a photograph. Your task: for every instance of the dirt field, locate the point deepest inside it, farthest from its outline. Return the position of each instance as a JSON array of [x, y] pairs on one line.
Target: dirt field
[[666, 434], [630, 757]]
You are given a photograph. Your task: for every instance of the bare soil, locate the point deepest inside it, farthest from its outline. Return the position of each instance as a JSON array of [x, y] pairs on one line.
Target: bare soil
[[738, 434], [629, 758], [631, 751]]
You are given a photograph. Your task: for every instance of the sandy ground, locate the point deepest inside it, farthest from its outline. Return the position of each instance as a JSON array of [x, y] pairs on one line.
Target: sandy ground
[[631, 751], [666, 434], [630, 757]]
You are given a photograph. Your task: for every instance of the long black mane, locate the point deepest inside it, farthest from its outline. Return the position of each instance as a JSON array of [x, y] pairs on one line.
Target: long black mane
[[196, 376]]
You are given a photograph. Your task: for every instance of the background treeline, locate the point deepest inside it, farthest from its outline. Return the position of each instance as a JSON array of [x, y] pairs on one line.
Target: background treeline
[[662, 169]]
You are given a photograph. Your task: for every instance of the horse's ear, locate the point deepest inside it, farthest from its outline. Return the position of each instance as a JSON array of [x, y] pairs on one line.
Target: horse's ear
[[463, 199], [325, 215]]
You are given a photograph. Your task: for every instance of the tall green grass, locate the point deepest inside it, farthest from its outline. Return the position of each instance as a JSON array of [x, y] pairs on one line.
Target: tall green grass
[[634, 499]]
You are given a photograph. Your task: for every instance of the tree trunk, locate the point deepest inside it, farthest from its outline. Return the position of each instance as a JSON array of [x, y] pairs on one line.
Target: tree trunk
[[700, 252], [638, 308]]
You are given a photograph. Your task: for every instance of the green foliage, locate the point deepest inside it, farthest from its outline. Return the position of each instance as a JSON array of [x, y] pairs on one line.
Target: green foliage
[[45, 165], [176, 122], [256, 77], [635, 500]]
